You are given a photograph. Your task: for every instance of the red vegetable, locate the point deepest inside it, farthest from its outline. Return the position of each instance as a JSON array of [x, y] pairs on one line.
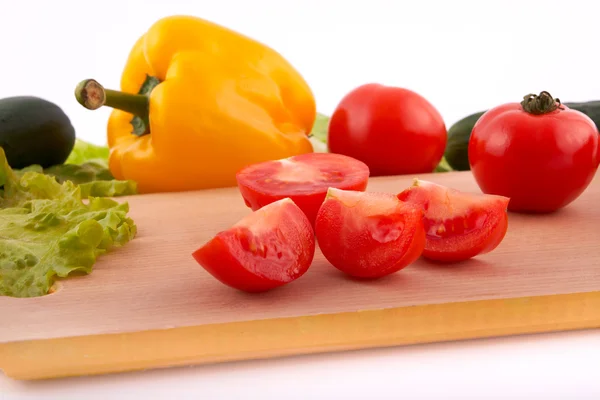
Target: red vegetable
[[393, 130], [539, 153], [369, 235], [268, 248], [304, 179], [458, 225]]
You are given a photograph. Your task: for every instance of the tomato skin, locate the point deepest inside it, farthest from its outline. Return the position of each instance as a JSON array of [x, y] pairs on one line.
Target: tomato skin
[[259, 185], [269, 248], [458, 225], [369, 235], [393, 130], [542, 162]]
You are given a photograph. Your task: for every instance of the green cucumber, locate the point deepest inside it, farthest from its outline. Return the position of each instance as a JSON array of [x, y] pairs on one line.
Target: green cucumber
[[458, 135], [458, 142]]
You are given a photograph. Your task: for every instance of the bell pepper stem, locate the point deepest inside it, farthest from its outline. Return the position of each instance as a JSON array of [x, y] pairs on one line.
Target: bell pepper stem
[[92, 95]]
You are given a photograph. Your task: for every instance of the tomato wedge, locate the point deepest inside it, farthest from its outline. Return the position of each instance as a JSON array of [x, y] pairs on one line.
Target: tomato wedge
[[304, 179], [459, 225], [369, 235], [266, 249]]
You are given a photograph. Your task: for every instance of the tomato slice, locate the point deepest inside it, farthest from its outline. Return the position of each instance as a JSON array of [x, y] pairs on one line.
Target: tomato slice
[[369, 235], [266, 249], [458, 225], [304, 179]]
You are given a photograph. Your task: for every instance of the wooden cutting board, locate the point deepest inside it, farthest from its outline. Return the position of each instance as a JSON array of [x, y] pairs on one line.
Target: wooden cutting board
[[149, 305]]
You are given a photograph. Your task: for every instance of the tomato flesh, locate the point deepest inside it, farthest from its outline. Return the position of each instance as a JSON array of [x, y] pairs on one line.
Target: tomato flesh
[[304, 179], [369, 235], [458, 225], [268, 248]]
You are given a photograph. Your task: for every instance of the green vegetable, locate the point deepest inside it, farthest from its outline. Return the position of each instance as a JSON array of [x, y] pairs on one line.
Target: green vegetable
[[36, 135], [84, 152], [443, 166], [34, 131], [47, 231], [319, 130], [93, 179], [318, 137], [87, 167], [459, 134], [458, 142]]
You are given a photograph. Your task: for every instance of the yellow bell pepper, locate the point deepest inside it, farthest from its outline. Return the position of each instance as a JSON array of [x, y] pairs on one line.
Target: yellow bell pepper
[[199, 102]]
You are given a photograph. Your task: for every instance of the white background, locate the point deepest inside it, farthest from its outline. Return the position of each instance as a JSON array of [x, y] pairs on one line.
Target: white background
[[462, 56]]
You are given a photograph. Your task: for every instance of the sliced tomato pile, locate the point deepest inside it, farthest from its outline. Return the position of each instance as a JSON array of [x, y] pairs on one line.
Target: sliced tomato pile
[[304, 179], [458, 225], [321, 198], [268, 248], [369, 235]]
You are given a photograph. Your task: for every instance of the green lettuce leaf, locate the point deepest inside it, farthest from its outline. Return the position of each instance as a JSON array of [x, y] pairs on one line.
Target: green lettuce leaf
[[84, 152], [48, 232], [92, 177], [80, 173], [318, 134], [319, 130], [318, 138], [443, 166]]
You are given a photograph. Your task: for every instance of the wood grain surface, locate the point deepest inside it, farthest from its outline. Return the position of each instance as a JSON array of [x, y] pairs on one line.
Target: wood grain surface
[[149, 305]]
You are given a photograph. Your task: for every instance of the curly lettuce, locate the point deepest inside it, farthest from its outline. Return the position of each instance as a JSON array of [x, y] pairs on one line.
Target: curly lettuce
[[318, 134], [87, 166], [47, 231], [92, 178], [84, 152]]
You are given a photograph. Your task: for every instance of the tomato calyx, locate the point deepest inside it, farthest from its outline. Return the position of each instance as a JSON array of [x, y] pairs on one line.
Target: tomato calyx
[[540, 104]]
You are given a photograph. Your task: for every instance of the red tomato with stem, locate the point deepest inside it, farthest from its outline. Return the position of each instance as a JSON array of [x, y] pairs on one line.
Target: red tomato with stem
[[393, 130], [269, 248], [458, 225], [304, 179], [369, 235], [539, 153]]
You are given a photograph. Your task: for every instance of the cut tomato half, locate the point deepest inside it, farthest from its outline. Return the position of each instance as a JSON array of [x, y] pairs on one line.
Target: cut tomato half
[[304, 179], [266, 249], [369, 235], [458, 225]]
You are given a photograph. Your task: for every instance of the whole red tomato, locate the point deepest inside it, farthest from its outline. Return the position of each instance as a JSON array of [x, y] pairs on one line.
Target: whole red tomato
[[539, 153], [393, 130]]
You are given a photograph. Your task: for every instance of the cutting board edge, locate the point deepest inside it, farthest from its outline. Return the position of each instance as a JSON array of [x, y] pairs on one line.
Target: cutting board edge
[[321, 333]]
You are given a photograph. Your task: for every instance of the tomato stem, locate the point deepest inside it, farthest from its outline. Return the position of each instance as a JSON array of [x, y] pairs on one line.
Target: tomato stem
[[540, 104]]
